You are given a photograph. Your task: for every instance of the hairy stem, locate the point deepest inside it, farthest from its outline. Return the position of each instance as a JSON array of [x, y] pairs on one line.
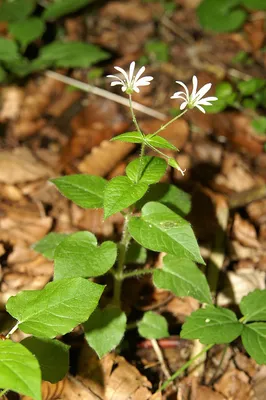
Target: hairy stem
[[3, 392], [138, 272], [184, 367], [118, 275], [168, 123], [12, 330], [133, 115]]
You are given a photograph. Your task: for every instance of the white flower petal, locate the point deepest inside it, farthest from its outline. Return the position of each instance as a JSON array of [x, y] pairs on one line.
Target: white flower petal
[[131, 71], [202, 91], [179, 96], [143, 81], [183, 105], [123, 72], [117, 83], [200, 108], [185, 87], [194, 87], [209, 99], [204, 102], [139, 73]]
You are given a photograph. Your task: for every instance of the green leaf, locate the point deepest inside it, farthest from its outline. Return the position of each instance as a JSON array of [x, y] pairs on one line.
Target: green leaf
[[254, 340], [183, 278], [19, 370], [212, 325], [218, 106], [56, 309], [259, 124], [129, 137], [27, 31], [121, 193], [47, 245], [58, 8], [105, 329], [86, 191], [135, 254], [250, 87], [221, 15], [160, 229], [72, 54], [3, 74], [158, 50], [78, 255], [254, 4], [223, 90], [169, 195], [253, 306], [8, 50], [174, 164], [160, 142], [153, 326], [148, 170], [52, 356], [16, 10]]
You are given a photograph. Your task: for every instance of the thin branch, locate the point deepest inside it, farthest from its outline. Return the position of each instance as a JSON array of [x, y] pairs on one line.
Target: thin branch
[[104, 93]]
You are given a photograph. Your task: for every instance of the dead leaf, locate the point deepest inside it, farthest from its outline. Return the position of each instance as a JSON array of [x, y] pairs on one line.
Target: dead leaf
[[244, 232], [200, 392], [20, 165], [239, 284], [12, 98], [133, 11], [235, 385], [104, 158]]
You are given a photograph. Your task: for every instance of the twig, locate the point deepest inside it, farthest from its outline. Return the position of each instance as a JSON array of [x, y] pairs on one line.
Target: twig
[[197, 367], [159, 355], [104, 93]]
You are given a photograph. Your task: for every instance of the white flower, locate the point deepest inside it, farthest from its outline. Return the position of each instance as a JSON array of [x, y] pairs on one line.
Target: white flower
[[130, 82], [195, 99]]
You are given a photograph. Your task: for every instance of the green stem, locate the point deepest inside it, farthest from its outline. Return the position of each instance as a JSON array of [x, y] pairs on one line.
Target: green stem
[[133, 115], [118, 275], [3, 392], [184, 367], [138, 272], [168, 123]]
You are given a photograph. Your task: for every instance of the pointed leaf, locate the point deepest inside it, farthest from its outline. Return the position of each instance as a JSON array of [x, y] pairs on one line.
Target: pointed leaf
[[8, 50], [212, 325], [149, 170], [105, 329], [71, 54], [52, 356], [78, 255], [169, 195], [121, 193], [129, 137], [254, 340], [16, 10], [86, 191], [183, 278], [160, 229], [47, 245], [19, 370], [27, 31], [58, 8], [56, 309], [153, 326], [253, 306], [160, 142]]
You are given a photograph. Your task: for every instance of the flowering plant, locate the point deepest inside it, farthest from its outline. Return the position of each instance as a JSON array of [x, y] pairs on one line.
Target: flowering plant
[[154, 219]]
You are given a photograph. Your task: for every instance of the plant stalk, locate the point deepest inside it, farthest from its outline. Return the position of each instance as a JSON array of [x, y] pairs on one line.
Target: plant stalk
[[168, 123], [184, 367]]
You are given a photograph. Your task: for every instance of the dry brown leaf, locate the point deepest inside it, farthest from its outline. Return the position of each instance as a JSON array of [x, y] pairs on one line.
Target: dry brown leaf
[[20, 165], [246, 364], [104, 158], [23, 225], [257, 211], [239, 284], [112, 377], [235, 385], [51, 391], [259, 383], [244, 232], [200, 392], [12, 98], [133, 11]]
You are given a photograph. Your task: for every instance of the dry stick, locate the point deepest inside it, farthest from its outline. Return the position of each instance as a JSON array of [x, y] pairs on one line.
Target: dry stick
[[160, 357], [104, 93]]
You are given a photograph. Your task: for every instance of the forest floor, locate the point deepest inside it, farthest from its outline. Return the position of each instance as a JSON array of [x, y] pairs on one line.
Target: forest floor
[[48, 129]]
